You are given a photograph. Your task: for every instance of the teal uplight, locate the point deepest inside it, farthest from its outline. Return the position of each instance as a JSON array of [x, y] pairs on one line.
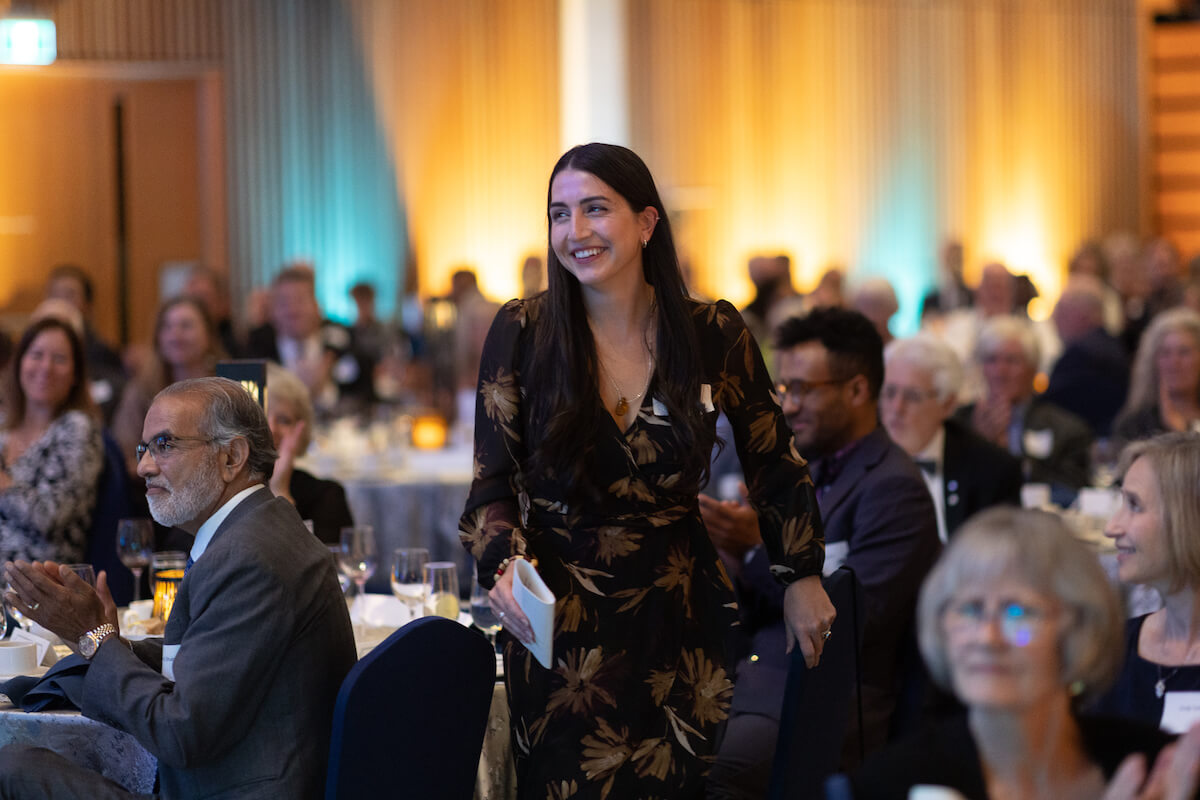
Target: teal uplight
[[28, 42]]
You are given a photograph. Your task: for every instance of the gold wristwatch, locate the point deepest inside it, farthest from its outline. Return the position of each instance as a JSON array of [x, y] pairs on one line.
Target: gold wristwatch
[[90, 642]]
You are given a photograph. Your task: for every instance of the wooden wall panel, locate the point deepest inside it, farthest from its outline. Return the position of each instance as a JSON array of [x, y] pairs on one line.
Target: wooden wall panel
[[1175, 49]]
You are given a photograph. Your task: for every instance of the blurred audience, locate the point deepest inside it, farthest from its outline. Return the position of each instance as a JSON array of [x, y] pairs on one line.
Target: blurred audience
[[533, 276], [1164, 389], [51, 452], [1019, 621], [1154, 532], [186, 345], [775, 299], [1053, 444], [317, 350], [211, 289], [1089, 260], [829, 291], [951, 292], [372, 338], [105, 370], [474, 314], [879, 520], [1091, 376], [965, 473], [876, 300], [291, 418]]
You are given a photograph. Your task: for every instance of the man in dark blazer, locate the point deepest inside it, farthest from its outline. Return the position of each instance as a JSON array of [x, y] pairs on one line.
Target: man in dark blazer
[[965, 473], [878, 519], [237, 700], [1053, 444]]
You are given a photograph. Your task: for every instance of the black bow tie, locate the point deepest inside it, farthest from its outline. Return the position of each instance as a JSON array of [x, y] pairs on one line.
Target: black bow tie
[[927, 465]]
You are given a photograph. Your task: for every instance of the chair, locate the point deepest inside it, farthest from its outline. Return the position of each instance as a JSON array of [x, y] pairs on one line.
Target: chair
[[112, 505], [411, 715], [817, 702]]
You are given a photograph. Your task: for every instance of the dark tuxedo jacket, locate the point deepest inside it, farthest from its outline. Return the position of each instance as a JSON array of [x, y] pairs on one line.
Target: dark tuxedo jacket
[[1069, 460], [264, 641], [976, 474], [880, 507]]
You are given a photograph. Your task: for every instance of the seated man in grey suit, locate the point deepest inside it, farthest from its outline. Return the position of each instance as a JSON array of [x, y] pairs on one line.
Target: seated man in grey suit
[[965, 473], [878, 518], [237, 700]]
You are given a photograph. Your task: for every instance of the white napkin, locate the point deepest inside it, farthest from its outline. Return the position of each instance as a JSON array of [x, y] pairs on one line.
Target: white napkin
[[537, 601], [379, 610]]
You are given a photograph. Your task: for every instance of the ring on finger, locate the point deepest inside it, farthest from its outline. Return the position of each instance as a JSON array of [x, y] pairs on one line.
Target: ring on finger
[[34, 606], [500, 615]]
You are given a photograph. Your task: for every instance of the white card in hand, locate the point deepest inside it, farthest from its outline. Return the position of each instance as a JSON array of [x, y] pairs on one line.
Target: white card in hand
[[537, 602]]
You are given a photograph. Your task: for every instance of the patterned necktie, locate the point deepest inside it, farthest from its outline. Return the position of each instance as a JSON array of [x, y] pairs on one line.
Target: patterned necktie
[[188, 566]]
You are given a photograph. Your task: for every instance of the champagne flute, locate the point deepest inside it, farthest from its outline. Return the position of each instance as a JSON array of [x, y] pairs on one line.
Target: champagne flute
[[408, 577], [135, 547], [357, 558]]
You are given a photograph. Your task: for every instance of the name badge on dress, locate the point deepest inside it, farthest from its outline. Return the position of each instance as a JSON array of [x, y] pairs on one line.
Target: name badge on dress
[[1180, 711], [169, 652], [706, 397], [660, 408]]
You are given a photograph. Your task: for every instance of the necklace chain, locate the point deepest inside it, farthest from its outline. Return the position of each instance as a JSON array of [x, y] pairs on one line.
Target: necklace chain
[[621, 407], [1160, 686]]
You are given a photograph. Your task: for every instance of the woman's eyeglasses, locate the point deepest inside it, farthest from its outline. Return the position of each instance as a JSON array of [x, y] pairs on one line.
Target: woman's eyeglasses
[[1018, 622]]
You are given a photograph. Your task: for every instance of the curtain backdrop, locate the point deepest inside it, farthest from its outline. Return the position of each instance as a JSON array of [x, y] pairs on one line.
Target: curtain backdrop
[[862, 132]]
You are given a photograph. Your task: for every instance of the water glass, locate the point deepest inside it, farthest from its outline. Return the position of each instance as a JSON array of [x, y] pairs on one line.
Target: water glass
[[85, 572], [481, 612], [135, 548], [408, 577], [441, 586]]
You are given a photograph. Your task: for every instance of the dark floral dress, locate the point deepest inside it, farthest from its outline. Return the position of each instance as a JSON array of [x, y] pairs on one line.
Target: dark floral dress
[[644, 607]]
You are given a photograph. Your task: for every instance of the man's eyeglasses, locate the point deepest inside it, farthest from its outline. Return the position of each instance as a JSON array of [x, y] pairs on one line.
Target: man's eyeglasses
[[164, 446], [1018, 622], [910, 396], [797, 390]]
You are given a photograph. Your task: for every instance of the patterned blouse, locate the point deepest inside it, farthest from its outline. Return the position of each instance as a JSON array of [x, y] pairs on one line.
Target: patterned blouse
[[46, 512], [638, 683]]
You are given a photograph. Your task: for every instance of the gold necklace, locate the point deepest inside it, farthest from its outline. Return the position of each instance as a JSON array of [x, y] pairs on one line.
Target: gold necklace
[[622, 406]]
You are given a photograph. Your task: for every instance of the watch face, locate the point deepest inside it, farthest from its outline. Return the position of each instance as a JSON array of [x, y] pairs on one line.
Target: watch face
[[87, 645]]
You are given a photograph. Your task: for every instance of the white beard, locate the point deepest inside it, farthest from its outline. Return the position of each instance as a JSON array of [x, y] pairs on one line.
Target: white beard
[[188, 502]]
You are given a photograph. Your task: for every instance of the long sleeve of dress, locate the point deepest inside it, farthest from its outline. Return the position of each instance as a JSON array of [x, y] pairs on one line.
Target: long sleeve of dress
[[781, 490], [490, 524], [46, 511]]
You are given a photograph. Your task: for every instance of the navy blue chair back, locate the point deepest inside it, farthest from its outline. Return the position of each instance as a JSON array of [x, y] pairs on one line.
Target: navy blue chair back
[[818, 702], [411, 715], [112, 505]]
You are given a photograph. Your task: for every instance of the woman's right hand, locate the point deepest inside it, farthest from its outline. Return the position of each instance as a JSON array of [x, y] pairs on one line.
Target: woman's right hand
[[285, 463], [512, 618]]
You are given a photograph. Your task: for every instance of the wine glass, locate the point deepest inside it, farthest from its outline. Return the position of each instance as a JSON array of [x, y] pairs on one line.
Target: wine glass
[[357, 558], [23, 622], [86, 573], [408, 577], [482, 614], [135, 547]]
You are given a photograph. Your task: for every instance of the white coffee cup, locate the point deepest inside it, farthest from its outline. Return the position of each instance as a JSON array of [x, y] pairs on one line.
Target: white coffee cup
[[17, 658]]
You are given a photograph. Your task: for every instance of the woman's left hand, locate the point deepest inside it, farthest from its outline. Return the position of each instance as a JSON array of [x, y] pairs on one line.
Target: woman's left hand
[[1176, 773]]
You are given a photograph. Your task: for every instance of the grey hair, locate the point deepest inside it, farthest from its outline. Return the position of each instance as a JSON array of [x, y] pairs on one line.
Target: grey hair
[[1036, 549], [998, 330], [1143, 380], [285, 387], [229, 412], [928, 352]]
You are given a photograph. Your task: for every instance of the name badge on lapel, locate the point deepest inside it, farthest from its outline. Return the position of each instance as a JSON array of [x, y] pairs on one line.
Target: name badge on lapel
[[169, 652]]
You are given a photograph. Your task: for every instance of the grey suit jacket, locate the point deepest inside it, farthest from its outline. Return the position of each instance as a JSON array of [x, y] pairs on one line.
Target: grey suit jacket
[[264, 643]]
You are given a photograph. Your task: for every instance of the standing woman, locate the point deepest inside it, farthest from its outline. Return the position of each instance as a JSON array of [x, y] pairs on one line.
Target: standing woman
[[1155, 533], [50, 448], [186, 345], [594, 424]]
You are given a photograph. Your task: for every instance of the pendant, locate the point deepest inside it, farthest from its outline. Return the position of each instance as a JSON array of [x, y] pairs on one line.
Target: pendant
[[622, 407], [1160, 688]]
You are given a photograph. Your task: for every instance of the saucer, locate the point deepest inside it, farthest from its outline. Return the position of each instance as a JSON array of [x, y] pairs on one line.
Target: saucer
[[36, 672]]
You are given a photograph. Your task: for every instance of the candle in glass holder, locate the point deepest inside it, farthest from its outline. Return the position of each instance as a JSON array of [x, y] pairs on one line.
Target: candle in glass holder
[[168, 568]]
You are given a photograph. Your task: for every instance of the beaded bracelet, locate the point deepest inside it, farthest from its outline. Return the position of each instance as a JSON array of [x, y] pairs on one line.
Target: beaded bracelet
[[504, 564]]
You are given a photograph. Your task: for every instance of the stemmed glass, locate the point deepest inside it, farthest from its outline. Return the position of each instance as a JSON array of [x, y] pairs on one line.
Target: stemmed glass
[[408, 577], [481, 612], [135, 547], [357, 557], [23, 622]]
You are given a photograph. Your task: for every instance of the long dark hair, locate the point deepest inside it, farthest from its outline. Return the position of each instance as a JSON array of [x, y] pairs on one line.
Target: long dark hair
[[566, 407], [77, 399]]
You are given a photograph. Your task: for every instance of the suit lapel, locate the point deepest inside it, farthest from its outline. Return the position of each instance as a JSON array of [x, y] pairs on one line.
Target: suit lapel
[[865, 457], [951, 462]]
